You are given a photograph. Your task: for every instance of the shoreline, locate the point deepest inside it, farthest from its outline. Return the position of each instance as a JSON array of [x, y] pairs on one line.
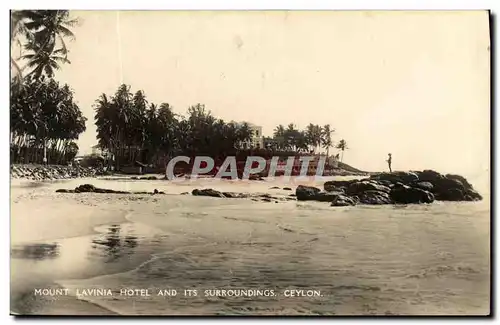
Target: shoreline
[[188, 227]]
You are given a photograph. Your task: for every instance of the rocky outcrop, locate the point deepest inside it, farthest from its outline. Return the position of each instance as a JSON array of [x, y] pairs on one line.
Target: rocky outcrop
[[362, 186], [89, 188], [374, 197], [337, 185], [52, 172], [406, 195], [305, 193], [342, 200], [380, 189], [402, 177], [415, 187]]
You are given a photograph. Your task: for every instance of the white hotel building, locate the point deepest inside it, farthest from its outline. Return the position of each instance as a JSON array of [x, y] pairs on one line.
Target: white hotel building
[[257, 140]]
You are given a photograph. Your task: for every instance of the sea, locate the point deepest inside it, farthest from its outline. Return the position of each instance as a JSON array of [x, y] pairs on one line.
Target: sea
[[178, 254]]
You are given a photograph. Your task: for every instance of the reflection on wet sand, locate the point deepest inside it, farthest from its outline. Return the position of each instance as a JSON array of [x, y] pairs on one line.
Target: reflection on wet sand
[[113, 244], [37, 251]]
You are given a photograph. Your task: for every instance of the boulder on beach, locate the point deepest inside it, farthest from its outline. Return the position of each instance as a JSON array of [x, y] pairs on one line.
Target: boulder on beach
[[357, 188], [427, 186], [309, 193], [235, 195], [342, 200], [403, 177], [461, 179], [428, 176], [409, 195], [62, 190], [304, 193], [337, 185], [374, 197], [287, 188], [207, 192], [89, 188]]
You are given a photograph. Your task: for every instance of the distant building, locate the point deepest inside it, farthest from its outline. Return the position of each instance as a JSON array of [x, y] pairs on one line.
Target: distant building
[[257, 140]]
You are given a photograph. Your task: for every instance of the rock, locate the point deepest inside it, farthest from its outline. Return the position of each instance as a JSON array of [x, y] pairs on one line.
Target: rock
[[408, 195], [287, 188], [184, 193], [326, 196], [427, 186], [448, 190], [274, 188], [337, 185], [342, 200], [403, 177], [306, 192], [451, 194], [155, 191], [374, 197], [62, 190], [266, 199], [461, 179], [429, 176], [134, 177], [292, 195], [472, 195], [207, 192], [387, 183], [360, 187], [85, 188], [235, 195], [148, 178]]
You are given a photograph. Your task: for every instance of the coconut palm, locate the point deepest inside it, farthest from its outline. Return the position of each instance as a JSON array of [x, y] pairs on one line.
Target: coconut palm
[[43, 117], [44, 62], [326, 137], [43, 33], [342, 145]]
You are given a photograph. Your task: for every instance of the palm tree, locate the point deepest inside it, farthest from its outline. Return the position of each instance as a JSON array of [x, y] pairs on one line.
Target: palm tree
[[41, 31], [44, 117], [44, 62], [279, 137], [342, 145], [326, 138]]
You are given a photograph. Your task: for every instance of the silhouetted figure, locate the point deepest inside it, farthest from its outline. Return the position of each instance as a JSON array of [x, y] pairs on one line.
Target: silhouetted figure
[[389, 162]]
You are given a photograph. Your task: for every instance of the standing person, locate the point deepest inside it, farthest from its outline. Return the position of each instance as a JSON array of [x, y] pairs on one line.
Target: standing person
[[389, 162]]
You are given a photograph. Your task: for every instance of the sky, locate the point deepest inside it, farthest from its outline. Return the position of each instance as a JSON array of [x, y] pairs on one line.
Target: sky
[[415, 84]]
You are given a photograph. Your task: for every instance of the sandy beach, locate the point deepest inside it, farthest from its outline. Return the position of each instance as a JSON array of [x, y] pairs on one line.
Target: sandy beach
[[364, 260]]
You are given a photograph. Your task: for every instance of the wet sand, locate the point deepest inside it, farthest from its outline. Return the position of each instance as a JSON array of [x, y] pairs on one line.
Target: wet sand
[[414, 260]]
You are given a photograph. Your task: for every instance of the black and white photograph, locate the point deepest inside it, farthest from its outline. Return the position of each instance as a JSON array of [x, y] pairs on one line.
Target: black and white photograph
[[250, 163]]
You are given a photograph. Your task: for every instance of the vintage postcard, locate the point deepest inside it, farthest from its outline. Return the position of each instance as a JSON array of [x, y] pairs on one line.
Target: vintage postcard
[[321, 163]]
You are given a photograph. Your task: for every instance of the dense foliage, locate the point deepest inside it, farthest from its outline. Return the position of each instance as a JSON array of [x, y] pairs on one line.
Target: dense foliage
[[132, 129], [43, 115], [308, 140], [39, 35]]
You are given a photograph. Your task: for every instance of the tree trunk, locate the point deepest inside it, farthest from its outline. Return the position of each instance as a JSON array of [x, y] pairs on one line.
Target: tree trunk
[[342, 157], [45, 162]]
